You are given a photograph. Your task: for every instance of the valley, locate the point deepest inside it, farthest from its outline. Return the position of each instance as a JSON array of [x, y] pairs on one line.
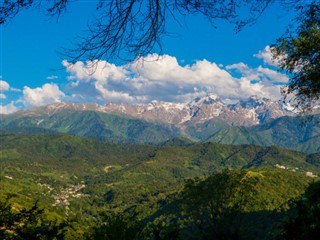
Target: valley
[[79, 178]]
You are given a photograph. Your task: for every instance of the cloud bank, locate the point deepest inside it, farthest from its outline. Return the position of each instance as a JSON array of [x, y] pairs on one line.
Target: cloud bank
[[48, 93], [162, 78], [153, 77], [9, 108]]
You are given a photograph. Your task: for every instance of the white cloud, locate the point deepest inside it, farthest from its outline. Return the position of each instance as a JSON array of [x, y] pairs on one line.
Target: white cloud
[[166, 77], [4, 86], [259, 81], [273, 75], [9, 108], [259, 74], [15, 89], [162, 78], [266, 56], [99, 70], [245, 70], [48, 93], [52, 77]]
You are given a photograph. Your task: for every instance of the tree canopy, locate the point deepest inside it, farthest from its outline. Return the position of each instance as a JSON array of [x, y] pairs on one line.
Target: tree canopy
[[298, 53]]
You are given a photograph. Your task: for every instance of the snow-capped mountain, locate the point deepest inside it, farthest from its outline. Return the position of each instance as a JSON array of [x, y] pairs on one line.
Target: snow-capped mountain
[[247, 112], [254, 120], [254, 110]]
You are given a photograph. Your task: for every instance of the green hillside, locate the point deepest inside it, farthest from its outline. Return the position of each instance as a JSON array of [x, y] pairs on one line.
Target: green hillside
[[98, 125], [60, 159], [232, 205], [296, 133], [79, 179], [203, 130]]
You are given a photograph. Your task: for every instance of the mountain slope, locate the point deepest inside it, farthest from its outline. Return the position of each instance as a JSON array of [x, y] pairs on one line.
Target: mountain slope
[[254, 120], [128, 167], [99, 125], [290, 132], [247, 112]]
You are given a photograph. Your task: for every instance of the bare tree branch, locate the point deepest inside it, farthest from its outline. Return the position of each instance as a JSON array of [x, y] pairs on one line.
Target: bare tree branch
[[128, 29]]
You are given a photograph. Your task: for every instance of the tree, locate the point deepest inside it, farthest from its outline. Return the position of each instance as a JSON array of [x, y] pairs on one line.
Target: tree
[[303, 221], [214, 207], [117, 226], [298, 52], [135, 27], [27, 223]]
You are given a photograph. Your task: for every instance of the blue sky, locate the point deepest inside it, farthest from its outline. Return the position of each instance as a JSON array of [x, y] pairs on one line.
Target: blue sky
[[199, 59]]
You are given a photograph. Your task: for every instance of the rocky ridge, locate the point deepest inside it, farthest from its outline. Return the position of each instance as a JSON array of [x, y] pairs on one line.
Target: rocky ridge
[[247, 112]]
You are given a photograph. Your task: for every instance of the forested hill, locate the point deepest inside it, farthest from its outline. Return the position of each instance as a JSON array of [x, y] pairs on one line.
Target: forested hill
[[61, 159], [211, 156], [66, 173]]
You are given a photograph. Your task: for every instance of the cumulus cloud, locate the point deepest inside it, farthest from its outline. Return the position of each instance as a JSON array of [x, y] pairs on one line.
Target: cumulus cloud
[[4, 86], [48, 93], [163, 78], [259, 81], [98, 80], [259, 74], [272, 75], [98, 70], [266, 56], [9, 108]]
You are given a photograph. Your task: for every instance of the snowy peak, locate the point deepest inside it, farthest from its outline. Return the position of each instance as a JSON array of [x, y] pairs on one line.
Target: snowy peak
[[57, 107], [208, 99], [254, 101], [205, 108], [247, 112], [255, 110]]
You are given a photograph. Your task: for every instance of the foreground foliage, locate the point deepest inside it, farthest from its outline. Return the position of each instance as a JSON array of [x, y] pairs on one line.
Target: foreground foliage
[[28, 223], [303, 220], [226, 205], [299, 54]]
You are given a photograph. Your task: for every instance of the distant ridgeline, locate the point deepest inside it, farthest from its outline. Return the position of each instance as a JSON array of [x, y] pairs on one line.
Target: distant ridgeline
[[60, 186], [257, 121]]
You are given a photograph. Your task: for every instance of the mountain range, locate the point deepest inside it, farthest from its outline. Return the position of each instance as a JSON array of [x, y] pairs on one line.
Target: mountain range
[[248, 112], [155, 184], [254, 120]]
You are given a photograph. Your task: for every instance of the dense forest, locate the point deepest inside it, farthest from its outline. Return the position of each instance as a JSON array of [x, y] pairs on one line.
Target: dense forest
[[66, 187]]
